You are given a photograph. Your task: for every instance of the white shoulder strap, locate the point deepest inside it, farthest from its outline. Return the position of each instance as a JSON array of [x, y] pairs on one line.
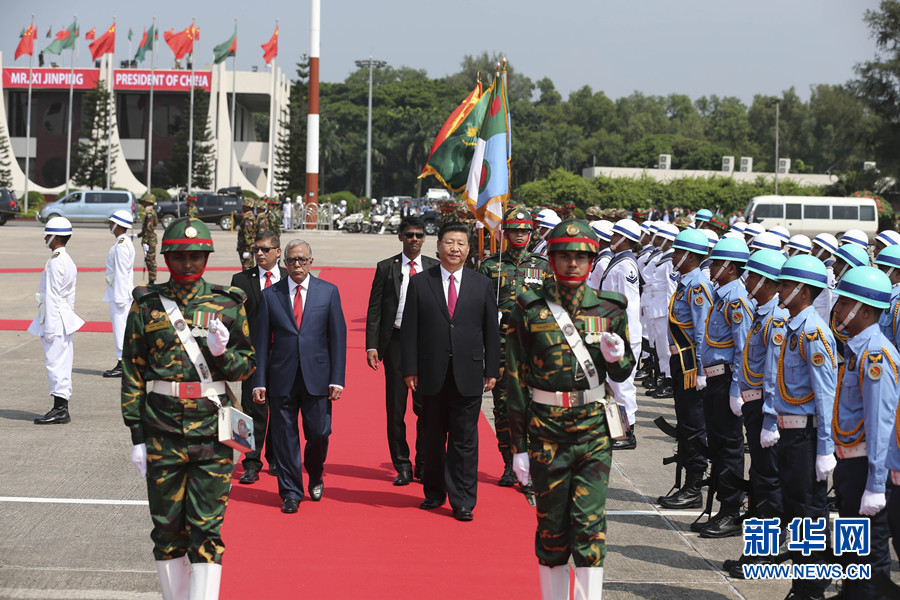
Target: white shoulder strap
[[576, 343], [189, 343]]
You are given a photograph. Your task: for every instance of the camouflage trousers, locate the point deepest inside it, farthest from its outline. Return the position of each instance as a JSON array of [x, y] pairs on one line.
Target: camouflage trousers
[[570, 457], [150, 263], [187, 486], [501, 421]]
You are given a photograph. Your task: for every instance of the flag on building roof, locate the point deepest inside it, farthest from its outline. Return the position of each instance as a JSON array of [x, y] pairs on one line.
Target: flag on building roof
[[104, 44], [182, 42], [26, 44], [91, 34], [270, 48], [65, 40], [146, 44], [451, 152], [226, 48]]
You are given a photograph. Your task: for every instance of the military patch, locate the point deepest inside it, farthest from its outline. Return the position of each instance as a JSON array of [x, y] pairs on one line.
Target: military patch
[[756, 328], [818, 359], [793, 345], [246, 329], [851, 364], [812, 336], [541, 327], [874, 372], [156, 326], [572, 230], [180, 325], [568, 329], [155, 314], [520, 215], [875, 357], [778, 339], [55, 254], [720, 305], [544, 314], [698, 300], [190, 232], [737, 316], [679, 295]]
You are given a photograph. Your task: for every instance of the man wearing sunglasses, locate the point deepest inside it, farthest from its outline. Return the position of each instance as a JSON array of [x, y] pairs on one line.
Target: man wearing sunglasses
[[383, 319], [266, 250]]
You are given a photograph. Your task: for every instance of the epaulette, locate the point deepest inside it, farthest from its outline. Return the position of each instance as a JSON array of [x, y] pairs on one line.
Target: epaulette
[[55, 254], [779, 323], [235, 292], [144, 290], [614, 297], [527, 298]]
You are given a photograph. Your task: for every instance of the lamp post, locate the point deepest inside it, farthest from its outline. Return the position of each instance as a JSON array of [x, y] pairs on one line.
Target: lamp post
[[777, 106], [370, 64]]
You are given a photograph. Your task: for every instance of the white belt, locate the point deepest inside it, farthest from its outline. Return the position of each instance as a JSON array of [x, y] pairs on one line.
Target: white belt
[[850, 451], [187, 389], [714, 370], [796, 421], [751, 395], [569, 399], [895, 477]]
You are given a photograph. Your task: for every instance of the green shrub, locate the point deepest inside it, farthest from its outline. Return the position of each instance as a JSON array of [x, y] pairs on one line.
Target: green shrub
[[250, 194], [161, 194]]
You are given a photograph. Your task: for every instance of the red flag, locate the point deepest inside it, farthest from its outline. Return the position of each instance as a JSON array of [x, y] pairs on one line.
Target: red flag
[[91, 34], [104, 44], [270, 48], [182, 42], [26, 44]]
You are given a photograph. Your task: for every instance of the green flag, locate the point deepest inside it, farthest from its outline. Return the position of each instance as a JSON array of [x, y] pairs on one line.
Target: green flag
[[146, 44], [65, 40], [226, 48], [130, 33]]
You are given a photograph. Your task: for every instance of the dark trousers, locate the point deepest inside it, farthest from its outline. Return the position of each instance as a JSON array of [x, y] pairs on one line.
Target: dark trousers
[[316, 414], [691, 422], [893, 510], [261, 429], [451, 445], [766, 494], [725, 435], [395, 394], [802, 495], [849, 483]]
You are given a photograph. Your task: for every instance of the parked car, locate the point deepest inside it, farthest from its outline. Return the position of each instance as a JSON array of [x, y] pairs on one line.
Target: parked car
[[212, 208], [432, 220], [90, 205], [9, 206]]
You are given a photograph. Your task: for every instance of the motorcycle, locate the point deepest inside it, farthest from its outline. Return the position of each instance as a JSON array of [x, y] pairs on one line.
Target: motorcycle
[[352, 223]]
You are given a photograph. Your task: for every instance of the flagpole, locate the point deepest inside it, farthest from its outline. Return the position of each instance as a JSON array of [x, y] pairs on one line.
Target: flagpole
[[233, 109], [312, 117], [109, 117], [71, 97], [152, 40], [271, 188], [190, 171], [28, 115]]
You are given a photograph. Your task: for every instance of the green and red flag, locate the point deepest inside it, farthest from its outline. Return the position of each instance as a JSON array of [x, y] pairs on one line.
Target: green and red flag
[[226, 49], [26, 44], [105, 44], [49, 31], [270, 48], [65, 40], [146, 44]]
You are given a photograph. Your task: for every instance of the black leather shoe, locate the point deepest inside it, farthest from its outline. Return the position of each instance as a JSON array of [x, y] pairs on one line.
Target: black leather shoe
[[403, 478], [251, 475], [462, 514], [689, 496], [116, 371], [641, 373], [629, 443], [290, 506], [698, 526], [430, 504], [273, 470], [315, 490], [665, 390], [721, 526], [508, 479], [56, 416], [417, 473]]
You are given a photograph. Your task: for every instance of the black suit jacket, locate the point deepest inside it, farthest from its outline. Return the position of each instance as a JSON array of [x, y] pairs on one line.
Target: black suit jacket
[[384, 300], [431, 339], [248, 280]]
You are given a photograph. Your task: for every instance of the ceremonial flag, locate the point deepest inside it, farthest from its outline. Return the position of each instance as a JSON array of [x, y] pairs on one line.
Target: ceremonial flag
[[182, 42], [451, 153], [104, 44], [49, 31], [270, 48], [226, 48], [91, 34], [487, 188], [130, 33], [26, 44], [146, 44], [65, 40]]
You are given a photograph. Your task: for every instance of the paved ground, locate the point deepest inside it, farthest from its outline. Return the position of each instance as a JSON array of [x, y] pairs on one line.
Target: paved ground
[[53, 546]]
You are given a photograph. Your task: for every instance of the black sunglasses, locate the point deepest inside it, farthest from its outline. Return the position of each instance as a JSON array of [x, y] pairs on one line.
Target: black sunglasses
[[265, 249], [410, 235], [296, 260]]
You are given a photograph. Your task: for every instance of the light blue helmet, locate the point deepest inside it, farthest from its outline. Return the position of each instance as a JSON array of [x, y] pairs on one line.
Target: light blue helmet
[[767, 263], [867, 285], [692, 240], [731, 249], [804, 269], [889, 257], [853, 255], [703, 215]]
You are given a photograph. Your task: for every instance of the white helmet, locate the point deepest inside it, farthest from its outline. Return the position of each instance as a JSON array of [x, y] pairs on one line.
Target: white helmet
[[739, 227], [628, 229], [603, 229], [781, 232], [287, 198], [123, 218], [767, 240], [668, 231], [343, 203], [57, 226], [733, 235], [713, 237], [374, 201], [826, 241], [753, 229], [550, 219], [855, 236], [800, 243], [888, 237]]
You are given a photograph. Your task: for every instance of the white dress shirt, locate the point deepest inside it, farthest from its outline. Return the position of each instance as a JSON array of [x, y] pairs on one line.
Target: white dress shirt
[[445, 281], [276, 277], [404, 284], [292, 292]]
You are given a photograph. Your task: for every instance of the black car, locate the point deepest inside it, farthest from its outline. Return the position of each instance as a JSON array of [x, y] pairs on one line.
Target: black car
[[212, 208], [9, 206]]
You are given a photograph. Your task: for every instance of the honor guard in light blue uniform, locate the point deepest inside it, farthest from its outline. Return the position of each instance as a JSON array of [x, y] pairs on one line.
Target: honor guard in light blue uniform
[[845, 258], [863, 423], [799, 397], [701, 219], [888, 260], [687, 319], [760, 356], [721, 353]]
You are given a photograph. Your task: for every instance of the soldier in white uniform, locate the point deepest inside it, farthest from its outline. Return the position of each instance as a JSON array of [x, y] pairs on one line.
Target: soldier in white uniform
[[547, 220], [286, 215], [622, 276], [603, 229], [119, 281], [661, 283], [648, 371], [56, 320], [824, 246]]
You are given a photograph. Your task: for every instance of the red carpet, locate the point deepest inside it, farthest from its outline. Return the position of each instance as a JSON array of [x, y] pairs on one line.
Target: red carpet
[[22, 325], [367, 538]]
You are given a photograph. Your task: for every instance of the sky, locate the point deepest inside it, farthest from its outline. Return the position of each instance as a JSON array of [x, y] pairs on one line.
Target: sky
[[657, 47]]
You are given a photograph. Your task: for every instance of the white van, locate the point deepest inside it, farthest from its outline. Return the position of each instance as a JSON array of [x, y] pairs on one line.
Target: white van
[[812, 215]]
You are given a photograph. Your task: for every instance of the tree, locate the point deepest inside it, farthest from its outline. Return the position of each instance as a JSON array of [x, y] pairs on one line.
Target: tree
[[91, 155], [5, 171], [202, 159], [282, 163]]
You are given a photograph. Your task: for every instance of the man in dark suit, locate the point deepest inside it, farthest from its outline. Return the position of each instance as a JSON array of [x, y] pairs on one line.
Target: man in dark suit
[[451, 355], [266, 250], [386, 304], [301, 353]]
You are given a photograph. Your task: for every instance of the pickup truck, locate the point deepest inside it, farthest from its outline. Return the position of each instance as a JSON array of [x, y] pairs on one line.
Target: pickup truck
[[212, 208]]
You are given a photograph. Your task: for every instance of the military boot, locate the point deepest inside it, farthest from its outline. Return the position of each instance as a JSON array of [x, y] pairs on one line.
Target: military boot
[[116, 371], [205, 579], [665, 390], [724, 524], [689, 496], [588, 583], [174, 578], [58, 415], [508, 479], [554, 582]]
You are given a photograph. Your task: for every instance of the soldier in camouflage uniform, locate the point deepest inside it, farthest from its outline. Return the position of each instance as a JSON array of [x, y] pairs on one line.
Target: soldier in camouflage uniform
[[246, 234], [273, 215], [192, 210], [148, 235], [556, 411], [514, 270], [172, 419]]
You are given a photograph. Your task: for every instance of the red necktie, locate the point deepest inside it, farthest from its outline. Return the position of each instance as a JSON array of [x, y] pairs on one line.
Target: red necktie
[[451, 297], [268, 278], [298, 308], [412, 268]]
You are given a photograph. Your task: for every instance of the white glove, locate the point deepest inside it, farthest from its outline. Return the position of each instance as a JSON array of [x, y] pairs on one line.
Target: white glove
[[825, 464], [736, 402], [612, 346], [701, 382], [146, 248], [767, 438], [522, 467], [139, 458], [218, 337], [872, 503], [245, 255]]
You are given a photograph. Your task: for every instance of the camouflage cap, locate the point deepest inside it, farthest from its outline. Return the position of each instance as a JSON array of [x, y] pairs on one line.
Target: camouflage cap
[[592, 212], [683, 222], [247, 202], [272, 201], [575, 235], [187, 234], [191, 199], [518, 217], [260, 204], [148, 199]]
